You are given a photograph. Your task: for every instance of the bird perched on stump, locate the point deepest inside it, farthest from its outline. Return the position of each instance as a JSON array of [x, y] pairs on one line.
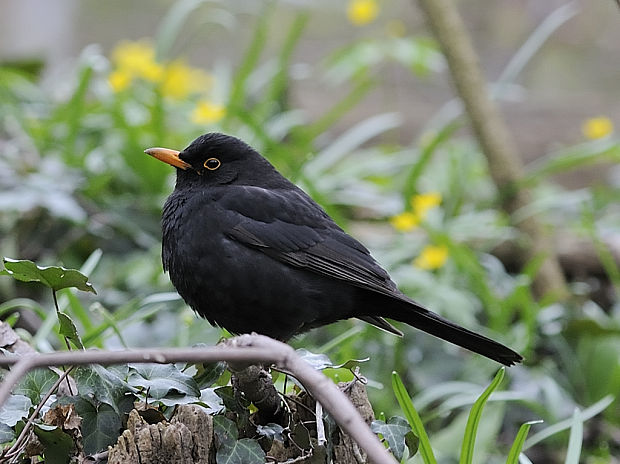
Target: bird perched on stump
[[252, 252]]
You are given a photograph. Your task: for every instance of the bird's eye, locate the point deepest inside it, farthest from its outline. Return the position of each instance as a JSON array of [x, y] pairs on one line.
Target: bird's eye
[[212, 164]]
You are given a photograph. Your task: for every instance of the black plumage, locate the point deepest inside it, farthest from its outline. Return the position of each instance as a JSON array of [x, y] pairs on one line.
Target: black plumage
[[250, 251]]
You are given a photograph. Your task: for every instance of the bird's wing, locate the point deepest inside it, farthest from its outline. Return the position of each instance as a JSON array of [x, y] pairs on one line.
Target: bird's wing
[[290, 227]]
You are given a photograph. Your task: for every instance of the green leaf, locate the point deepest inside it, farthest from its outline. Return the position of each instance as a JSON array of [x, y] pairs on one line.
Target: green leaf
[[171, 25], [225, 430], [575, 440], [14, 409], [102, 384], [101, 424], [469, 440], [426, 154], [586, 414], [210, 401], [69, 330], [208, 373], [58, 444], [271, 431], [235, 403], [318, 361], [36, 383], [517, 446], [162, 379], [426, 451], [54, 277], [244, 451], [393, 432], [412, 442], [350, 364], [7, 434]]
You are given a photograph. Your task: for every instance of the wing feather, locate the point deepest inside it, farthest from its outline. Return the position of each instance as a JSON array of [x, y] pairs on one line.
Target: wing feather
[[290, 227]]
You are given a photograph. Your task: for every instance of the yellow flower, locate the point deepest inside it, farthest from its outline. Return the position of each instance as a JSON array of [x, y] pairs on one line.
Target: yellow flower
[[432, 257], [404, 222], [138, 60], [181, 80], [362, 12], [422, 203], [119, 80], [207, 113], [597, 128]]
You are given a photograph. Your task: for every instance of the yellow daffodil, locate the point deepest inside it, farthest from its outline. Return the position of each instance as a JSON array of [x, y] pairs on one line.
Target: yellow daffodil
[[597, 128], [362, 12], [181, 80], [432, 257], [207, 112], [119, 80], [404, 222], [422, 203], [138, 60]]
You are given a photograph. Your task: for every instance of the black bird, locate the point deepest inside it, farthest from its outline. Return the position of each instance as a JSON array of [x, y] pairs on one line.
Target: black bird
[[250, 251]]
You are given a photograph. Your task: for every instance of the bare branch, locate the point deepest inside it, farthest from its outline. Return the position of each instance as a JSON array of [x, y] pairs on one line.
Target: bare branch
[[245, 348], [494, 138]]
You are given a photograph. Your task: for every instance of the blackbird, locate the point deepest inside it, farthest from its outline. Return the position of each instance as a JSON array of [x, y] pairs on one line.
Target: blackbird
[[251, 252]]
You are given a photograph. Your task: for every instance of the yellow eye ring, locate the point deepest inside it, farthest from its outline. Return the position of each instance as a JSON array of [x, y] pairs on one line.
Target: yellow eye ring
[[212, 164]]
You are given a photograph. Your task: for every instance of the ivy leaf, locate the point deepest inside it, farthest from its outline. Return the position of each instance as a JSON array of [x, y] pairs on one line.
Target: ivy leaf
[[412, 441], [207, 373], [14, 409], [102, 385], [233, 451], [244, 451], [210, 401], [36, 383], [394, 432], [101, 424], [69, 330], [271, 431], [350, 364], [54, 277], [7, 434], [235, 403], [225, 430], [161, 380], [318, 361], [58, 444]]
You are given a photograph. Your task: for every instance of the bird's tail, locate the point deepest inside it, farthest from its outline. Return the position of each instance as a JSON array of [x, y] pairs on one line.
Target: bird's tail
[[423, 319]]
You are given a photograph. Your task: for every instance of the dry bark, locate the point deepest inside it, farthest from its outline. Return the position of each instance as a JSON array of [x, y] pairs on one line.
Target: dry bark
[[186, 439]]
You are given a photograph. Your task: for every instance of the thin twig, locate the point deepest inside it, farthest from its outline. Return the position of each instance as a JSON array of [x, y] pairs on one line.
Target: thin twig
[[66, 339], [25, 433], [246, 348]]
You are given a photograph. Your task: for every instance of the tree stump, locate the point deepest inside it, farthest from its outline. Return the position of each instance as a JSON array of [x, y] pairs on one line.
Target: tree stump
[[186, 439]]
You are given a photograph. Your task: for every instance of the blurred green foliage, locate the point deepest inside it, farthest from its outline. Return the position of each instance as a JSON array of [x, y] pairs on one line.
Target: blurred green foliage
[[74, 180]]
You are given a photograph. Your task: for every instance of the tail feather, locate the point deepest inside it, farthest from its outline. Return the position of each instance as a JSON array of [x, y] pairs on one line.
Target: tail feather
[[427, 321]]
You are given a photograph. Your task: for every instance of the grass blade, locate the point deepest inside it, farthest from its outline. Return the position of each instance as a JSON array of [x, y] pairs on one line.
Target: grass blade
[[576, 438], [171, 26], [517, 445], [469, 440], [586, 414], [426, 154], [249, 63], [404, 400]]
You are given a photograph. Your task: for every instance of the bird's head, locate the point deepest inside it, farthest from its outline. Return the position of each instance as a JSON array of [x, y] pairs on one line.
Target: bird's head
[[216, 158]]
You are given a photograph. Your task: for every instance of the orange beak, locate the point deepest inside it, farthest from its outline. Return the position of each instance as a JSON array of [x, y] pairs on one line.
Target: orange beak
[[168, 156]]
